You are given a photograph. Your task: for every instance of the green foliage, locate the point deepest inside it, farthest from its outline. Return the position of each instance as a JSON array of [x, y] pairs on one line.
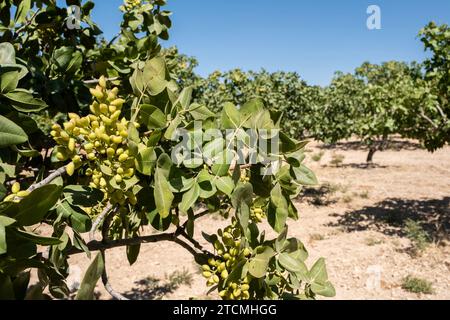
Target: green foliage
[[418, 236], [417, 285], [118, 152]]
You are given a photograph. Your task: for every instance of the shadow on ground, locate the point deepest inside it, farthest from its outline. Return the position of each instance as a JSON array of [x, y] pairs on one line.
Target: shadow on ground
[[390, 215], [393, 144], [152, 288]]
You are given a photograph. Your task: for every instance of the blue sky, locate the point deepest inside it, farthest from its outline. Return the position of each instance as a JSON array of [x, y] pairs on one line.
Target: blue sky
[[313, 38]]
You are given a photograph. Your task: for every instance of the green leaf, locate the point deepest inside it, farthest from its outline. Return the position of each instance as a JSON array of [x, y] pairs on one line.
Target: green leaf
[[3, 244], [23, 101], [305, 176], [9, 81], [10, 133], [7, 53], [163, 195], [92, 275], [200, 112], [145, 161], [152, 117], [231, 118], [33, 208], [190, 198], [258, 265], [291, 264], [278, 210], [82, 196], [224, 184], [43, 241], [324, 289], [77, 218], [205, 182], [318, 272], [133, 253], [22, 11]]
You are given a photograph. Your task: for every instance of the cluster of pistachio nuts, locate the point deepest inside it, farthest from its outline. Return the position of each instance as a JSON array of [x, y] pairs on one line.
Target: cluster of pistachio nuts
[[229, 253], [16, 194], [98, 142]]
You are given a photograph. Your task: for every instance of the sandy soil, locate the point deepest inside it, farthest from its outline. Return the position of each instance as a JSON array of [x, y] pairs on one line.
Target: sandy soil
[[356, 221]]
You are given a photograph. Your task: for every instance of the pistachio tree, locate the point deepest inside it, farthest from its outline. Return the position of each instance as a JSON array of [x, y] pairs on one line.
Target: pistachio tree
[[141, 154]]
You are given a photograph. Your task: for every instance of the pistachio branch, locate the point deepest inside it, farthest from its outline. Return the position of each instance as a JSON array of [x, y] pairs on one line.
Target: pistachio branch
[[95, 81], [55, 174], [108, 212], [99, 219]]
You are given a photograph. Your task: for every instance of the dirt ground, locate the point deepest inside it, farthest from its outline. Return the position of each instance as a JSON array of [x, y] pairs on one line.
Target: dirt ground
[[355, 219]]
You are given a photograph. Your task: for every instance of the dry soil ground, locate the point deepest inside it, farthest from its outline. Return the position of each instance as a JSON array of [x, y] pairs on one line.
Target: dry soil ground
[[356, 220]]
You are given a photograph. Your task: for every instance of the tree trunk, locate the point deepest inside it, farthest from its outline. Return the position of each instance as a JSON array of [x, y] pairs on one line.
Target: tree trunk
[[372, 151]]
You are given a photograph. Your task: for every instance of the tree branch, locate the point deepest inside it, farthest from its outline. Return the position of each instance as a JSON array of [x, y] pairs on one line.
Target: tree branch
[[95, 81], [99, 219], [105, 228], [435, 126], [49, 179]]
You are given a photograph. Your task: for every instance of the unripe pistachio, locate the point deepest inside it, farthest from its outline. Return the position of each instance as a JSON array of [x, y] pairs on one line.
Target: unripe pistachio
[[56, 127], [224, 274], [206, 274], [54, 133], [95, 124], [70, 169], [110, 152], [118, 103], [71, 145], [103, 109], [212, 261], [117, 140], [107, 121], [118, 178], [237, 292], [245, 287], [105, 138], [97, 144], [216, 278], [124, 134], [223, 293], [77, 160], [88, 172], [103, 182], [76, 131], [96, 93], [92, 136], [73, 116], [123, 157], [119, 170], [65, 136], [23, 194], [68, 126], [119, 151], [102, 82], [112, 108], [60, 156], [15, 187], [88, 147], [115, 116], [205, 267]]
